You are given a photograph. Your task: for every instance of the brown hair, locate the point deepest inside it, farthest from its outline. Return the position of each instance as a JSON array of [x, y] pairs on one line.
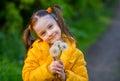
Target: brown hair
[[28, 39]]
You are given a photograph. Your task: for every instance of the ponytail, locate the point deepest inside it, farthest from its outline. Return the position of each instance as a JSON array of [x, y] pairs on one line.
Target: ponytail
[[60, 20], [62, 24], [27, 38]]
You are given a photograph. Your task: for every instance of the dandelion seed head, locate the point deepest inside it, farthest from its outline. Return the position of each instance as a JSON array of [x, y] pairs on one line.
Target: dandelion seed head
[[63, 46], [57, 43], [57, 48], [54, 51]]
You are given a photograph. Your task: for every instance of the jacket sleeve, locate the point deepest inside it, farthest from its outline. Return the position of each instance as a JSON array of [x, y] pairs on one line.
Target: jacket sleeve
[[33, 71], [78, 71]]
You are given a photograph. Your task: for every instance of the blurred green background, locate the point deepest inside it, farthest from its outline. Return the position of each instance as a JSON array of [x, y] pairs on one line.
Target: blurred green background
[[87, 20]]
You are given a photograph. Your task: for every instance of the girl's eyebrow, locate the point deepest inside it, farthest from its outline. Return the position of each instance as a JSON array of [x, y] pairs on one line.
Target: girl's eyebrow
[[48, 23]]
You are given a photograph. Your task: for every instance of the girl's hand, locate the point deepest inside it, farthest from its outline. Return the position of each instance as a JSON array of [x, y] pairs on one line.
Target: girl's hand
[[57, 67]]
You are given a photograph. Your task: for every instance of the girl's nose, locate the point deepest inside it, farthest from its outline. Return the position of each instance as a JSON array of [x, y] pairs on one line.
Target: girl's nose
[[49, 33]]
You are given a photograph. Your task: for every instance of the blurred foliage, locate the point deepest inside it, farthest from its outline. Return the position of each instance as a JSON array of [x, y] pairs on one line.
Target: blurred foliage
[[87, 20], [10, 71]]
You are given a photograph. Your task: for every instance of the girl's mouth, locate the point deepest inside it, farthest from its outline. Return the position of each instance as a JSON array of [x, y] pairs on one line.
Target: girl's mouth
[[52, 37]]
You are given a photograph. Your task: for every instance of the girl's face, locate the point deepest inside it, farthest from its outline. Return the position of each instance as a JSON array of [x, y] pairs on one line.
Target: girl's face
[[47, 29]]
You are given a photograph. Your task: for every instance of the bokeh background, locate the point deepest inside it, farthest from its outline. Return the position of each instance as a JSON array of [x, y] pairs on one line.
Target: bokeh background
[[87, 19]]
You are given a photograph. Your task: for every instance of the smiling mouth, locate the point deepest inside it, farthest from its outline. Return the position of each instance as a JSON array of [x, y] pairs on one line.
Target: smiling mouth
[[52, 37]]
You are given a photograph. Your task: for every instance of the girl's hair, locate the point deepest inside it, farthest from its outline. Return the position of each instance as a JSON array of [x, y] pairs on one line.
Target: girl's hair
[[28, 39]]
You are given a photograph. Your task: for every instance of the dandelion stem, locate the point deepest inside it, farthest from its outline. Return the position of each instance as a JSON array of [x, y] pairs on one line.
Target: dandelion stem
[[59, 55]]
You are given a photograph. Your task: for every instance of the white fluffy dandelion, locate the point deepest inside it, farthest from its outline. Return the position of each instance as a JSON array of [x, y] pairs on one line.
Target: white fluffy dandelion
[[63, 46], [54, 51], [56, 43], [57, 48]]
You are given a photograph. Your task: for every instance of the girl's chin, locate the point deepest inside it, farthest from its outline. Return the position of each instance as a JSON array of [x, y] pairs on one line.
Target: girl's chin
[[53, 41]]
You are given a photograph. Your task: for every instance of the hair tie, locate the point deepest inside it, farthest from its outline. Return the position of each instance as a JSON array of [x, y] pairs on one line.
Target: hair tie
[[49, 10]]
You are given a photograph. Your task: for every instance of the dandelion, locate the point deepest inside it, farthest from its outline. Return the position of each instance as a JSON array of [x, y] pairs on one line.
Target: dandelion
[[57, 48], [63, 46], [56, 43], [54, 51]]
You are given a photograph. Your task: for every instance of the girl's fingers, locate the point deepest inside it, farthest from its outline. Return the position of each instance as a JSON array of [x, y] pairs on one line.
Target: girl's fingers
[[60, 62], [59, 72], [60, 69], [57, 67], [52, 67]]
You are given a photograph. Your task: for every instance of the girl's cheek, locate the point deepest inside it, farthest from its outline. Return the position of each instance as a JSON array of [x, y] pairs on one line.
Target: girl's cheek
[[44, 38]]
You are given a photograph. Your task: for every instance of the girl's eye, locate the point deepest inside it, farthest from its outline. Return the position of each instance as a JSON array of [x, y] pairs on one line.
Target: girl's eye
[[50, 26], [43, 34]]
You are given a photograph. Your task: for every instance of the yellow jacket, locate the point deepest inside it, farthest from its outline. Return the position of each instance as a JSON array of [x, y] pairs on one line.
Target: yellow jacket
[[38, 59]]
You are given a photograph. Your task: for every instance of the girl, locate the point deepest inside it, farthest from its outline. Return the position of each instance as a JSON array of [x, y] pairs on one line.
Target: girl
[[39, 65]]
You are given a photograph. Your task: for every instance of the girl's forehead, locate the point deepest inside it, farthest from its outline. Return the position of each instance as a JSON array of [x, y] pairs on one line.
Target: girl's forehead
[[44, 21]]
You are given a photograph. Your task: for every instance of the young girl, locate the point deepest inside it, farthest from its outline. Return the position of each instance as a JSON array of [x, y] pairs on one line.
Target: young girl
[[39, 65]]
